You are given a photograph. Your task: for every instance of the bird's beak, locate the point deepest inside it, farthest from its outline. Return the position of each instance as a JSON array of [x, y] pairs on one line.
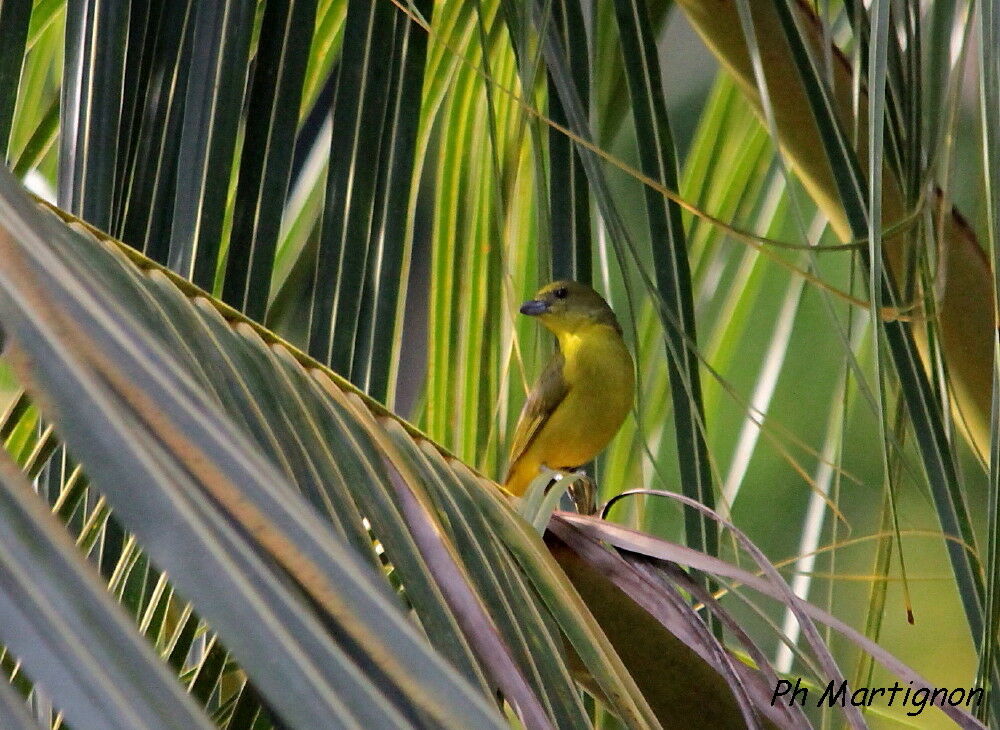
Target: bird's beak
[[534, 307]]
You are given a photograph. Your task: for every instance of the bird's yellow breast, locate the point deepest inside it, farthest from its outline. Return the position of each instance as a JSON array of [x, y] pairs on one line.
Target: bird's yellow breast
[[601, 382], [600, 379], [596, 359]]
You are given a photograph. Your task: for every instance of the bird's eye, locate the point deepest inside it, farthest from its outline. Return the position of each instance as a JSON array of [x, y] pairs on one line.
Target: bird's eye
[[559, 293]]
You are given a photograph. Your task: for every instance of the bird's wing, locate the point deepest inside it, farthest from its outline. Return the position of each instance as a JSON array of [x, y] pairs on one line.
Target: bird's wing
[[548, 393]]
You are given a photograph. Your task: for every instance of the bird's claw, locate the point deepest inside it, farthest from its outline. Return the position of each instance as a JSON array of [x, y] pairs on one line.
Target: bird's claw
[[583, 492]]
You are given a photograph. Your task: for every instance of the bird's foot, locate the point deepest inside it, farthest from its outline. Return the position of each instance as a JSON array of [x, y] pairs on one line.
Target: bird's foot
[[583, 491]]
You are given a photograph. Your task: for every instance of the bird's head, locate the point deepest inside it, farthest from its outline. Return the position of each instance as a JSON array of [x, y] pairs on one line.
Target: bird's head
[[566, 306]]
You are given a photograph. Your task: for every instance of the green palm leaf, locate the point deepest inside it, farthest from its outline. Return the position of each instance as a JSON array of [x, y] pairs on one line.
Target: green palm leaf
[[201, 524]]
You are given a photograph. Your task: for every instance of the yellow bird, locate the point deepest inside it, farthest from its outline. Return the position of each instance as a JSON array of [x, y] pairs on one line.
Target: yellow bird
[[585, 391]]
